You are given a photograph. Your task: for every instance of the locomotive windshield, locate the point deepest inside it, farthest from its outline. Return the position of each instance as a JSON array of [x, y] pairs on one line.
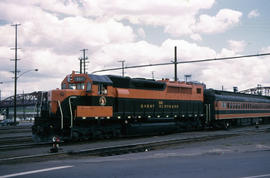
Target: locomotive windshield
[[77, 82], [78, 86]]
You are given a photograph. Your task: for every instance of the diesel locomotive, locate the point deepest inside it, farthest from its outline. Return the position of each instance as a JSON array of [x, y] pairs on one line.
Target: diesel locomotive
[[98, 106]]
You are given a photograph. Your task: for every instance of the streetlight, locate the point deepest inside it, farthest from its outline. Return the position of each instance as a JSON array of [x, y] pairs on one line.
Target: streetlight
[[27, 72], [15, 92]]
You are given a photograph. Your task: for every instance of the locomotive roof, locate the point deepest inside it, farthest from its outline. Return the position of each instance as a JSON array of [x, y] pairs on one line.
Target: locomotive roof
[[232, 96], [100, 79], [136, 83]]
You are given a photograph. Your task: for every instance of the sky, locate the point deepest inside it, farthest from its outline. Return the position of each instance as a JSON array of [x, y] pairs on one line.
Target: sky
[[53, 32]]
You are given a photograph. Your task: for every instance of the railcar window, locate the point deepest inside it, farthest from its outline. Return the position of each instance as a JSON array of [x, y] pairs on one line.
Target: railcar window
[[72, 86], [223, 104], [102, 89], [64, 86], [80, 86], [69, 78], [89, 87], [199, 90]]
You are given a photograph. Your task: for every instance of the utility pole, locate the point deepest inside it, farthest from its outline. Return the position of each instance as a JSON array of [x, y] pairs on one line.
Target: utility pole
[[153, 76], [123, 67], [83, 62], [80, 64], [15, 73], [23, 107], [175, 63], [0, 92]]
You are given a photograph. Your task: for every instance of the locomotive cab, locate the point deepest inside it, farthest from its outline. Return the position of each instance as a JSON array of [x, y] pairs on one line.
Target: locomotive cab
[[77, 82], [81, 101], [90, 95]]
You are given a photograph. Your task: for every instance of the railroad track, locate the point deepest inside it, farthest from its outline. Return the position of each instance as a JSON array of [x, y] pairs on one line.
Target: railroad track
[[15, 139], [15, 129], [112, 150], [21, 142], [22, 146], [127, 148], [16, 142]]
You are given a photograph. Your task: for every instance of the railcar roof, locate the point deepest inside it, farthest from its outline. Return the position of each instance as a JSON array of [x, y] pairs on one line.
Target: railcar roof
[[232, 96]]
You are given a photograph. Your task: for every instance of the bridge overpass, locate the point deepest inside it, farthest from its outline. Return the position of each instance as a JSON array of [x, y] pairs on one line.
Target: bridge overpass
[[259, 90], [28, 105]]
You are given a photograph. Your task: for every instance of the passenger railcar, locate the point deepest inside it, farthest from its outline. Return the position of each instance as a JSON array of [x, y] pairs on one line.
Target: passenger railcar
[[223, 109]]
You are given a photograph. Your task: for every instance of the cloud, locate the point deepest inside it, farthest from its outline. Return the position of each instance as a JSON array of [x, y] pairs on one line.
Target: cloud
[[196, 37], [58, 7], [225, 19], [53, 32], [143, 52], [265, 50], [177, 17], [237, 46], [61, 34], [253, 14], [141, 32]]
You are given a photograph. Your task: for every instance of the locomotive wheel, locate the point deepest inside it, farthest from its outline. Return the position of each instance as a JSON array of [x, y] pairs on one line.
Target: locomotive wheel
[[75, 136]]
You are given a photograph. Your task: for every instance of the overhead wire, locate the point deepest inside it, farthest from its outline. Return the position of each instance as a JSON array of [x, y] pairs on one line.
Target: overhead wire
[[184, 62]]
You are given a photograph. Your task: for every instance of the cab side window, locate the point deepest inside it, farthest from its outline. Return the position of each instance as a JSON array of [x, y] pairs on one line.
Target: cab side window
[[89, 86], [102, 89]]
